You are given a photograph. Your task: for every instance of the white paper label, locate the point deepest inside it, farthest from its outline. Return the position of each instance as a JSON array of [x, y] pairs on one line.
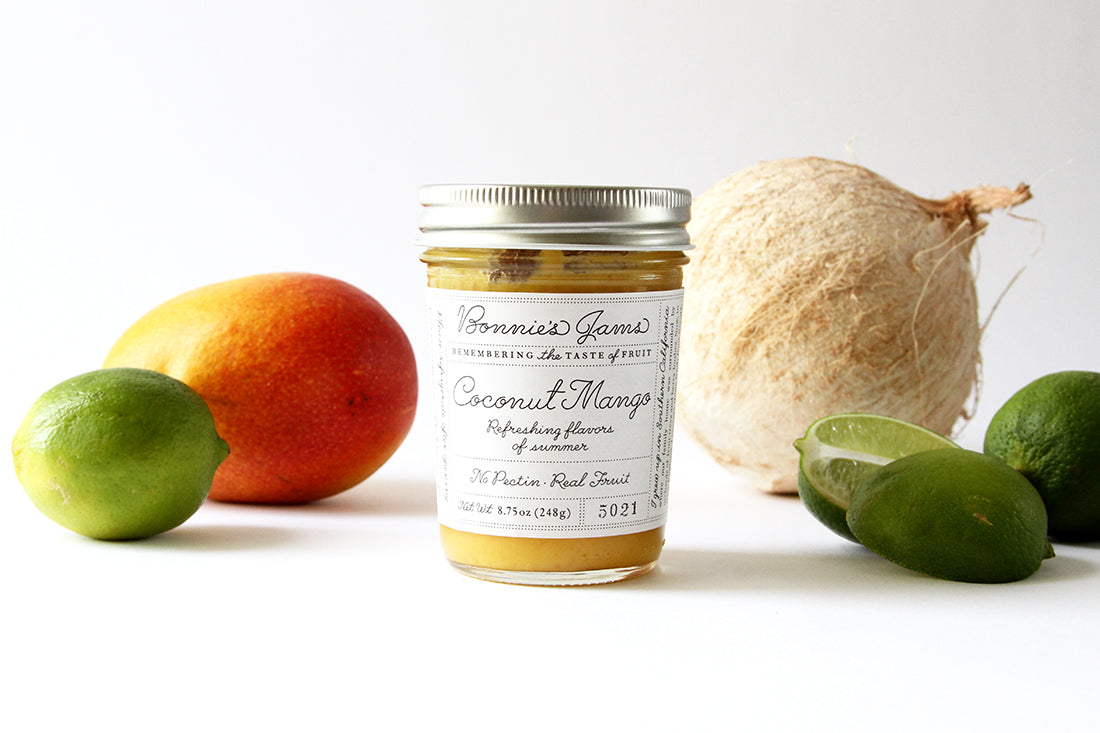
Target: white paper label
[[554, 412]]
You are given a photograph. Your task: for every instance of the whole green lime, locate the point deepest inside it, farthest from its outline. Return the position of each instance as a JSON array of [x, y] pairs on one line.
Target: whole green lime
[[1050, 432], [952, 513], [118, 454]]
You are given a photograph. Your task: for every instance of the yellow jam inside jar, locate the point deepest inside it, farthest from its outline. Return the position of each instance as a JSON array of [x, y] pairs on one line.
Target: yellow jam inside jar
[[514, 255]]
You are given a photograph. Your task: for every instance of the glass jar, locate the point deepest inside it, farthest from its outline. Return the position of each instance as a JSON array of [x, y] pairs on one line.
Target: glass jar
[[554, 329]]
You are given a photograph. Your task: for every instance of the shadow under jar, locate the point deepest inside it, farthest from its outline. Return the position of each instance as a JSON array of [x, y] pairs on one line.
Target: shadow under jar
[[554, 315]]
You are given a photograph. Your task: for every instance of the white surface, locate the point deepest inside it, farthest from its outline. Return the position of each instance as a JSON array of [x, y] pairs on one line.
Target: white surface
[[147, 148]]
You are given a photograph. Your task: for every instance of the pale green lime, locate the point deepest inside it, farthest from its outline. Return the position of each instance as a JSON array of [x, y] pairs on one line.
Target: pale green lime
[[118, 453]]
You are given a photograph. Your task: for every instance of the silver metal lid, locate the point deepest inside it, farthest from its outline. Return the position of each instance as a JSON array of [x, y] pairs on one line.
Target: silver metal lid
[[498, 216]]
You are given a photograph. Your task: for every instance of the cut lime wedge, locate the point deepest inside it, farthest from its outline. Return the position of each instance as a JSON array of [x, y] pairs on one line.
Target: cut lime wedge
[[840, 451]]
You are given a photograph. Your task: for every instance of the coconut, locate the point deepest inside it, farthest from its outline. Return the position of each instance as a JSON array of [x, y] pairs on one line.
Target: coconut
[[819, 287]]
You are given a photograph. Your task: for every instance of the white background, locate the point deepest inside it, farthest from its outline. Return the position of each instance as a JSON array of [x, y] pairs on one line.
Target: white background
[[150, 147]]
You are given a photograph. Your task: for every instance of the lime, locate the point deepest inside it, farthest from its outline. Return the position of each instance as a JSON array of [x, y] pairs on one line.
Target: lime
[[1050, 432], [118, 453], [952, 513], [840, 451]]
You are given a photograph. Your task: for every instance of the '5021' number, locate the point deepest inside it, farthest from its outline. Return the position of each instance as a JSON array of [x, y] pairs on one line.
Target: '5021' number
[[620, 509]]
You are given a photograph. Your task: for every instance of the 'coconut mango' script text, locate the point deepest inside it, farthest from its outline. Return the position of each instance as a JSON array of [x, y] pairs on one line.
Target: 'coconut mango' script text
[[580, 393]]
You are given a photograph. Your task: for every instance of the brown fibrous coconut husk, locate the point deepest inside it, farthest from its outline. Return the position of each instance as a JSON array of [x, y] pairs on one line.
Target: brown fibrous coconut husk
[[818, 287]]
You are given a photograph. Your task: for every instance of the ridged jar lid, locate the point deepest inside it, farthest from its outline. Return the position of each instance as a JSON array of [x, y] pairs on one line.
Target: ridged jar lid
[[554, 217]]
